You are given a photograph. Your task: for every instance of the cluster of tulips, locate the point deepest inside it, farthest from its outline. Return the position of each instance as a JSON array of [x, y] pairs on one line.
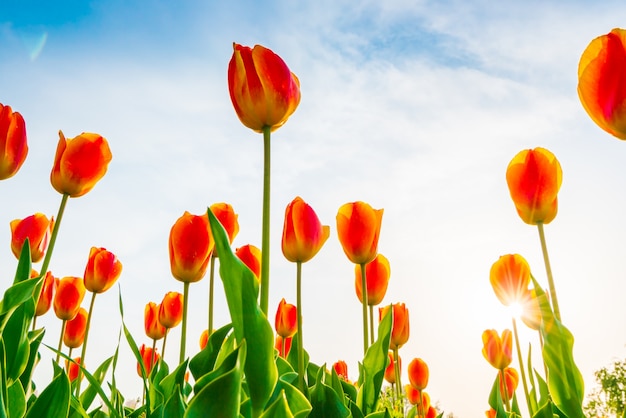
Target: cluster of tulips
[[247, 367]]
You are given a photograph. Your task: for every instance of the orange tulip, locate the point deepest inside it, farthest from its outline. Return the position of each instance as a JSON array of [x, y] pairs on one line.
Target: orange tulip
[[358, 227], [152, 326], [47, 293], [102, 271], [73, 368], [390, 373], [204, 339], [149, 358], [190, 247], [251, 257], [491, 413], [431, 413], [377, 274], [13, 143], [531, 311], [412, 394], [400, 328], [74, 334], [37, 228], [534, 178], [79, 163], [263, 90], [69, 296], [510, 278], [286, 319], [303, 234], [511, 379], [229, 220], [498, 350], [601, 86], [171, 309], [418, 373], [341, 368]]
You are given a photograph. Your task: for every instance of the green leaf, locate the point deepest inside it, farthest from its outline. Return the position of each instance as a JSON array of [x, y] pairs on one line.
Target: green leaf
[[87, 397], [279, 408], [54, 401], [203, 362], [17, 346], [299, 405], [174, 381], [34, 338], [495, 399], [325, 401], [16, 400], [249, 321], [175, 405]]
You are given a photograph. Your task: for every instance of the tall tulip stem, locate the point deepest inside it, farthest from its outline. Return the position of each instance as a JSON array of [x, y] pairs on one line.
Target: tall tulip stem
[[84, 349], [396, 371], [53, 236], [211, 282], [299, 332], [546, 260], [167, 331], [183, 334], [265, 240], [529, 402], [507, 404], [61, 340], [371, 324], [364, 303]]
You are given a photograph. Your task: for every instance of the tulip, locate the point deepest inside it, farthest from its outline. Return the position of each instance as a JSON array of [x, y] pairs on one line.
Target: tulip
[[531, 311], [74, 334], [510, 278], [491, 413], [283, 345], [171, 310], [511, 380], [400, 328], [190, 247], [47, 293], [69, 295], [251, 257], [229, 220], [37, 229], [303, 233], [377, 274], [102, 271], [264, 92], [432, 412], [390, 372], [204, 339], [412, 394], [601, 86], [418, 374], [149, 357], [152, 326], [534, 178], [286, 322], [341, 368], [79, 163], [72, 368], [358, 227], [13, 143], [498, 350]]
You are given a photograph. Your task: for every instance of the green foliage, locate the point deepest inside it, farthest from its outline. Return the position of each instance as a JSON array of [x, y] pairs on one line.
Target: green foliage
[[610, 397]]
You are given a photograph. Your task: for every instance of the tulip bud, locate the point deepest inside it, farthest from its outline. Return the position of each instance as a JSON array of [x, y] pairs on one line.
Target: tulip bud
[[73, 368], [149, 358], [279, 345], [358, 228], [37, 229], [228, 219], [390, 371], [510, 278], [171, 309], [102, 271], [13, 143], [251, 257], [303, 234], [341, 368], [47, 293], [377, 274], [152, 326], [286, 323], [69, 295], [74, 334], [418, 374], [190, 247], [400, 327], [498, 351]]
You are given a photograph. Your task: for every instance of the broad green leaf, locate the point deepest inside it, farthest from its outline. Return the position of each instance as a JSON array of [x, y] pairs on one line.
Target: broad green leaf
[[17, 346], [77, 410], [249, 321], [292, 358], [24, 265], [203, 362], [355, 410], [89, 394], [495, 399], [279, 408], [379, 414], [175, 405], [54, 401], [169, 383], [325, 401], [16, 400], [156, 394], [298, 403], [34, 338]]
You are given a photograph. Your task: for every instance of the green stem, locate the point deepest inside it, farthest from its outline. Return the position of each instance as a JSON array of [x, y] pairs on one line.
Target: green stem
[[211, 282], [546, 260], [364, 303], [507, 406], [396, 371], [61, 340], [371, 324], [167, 331], [84, 349], [183, 334], [299, 332], [545, 367], [67, 366], [265, 240], [532, 407]]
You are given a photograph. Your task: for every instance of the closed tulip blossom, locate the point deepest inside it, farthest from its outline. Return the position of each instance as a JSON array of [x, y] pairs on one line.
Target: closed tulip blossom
[[171, 310], [400, 328], [73, 368], [68, 297], [377, 274], [498, 350], [534, 178], [341, 368], [225, 213], [303, 233], [204, 339], [358, 228], [390, 372], [47, 293], [149, 357], [74, 334], [37, 229], [250, 255], [283, 345], [412, 394], [510, 278], [418, 374], [13, 142], [153, 328], [601, 86], [511, 380], [286, 322], [263, 90], [79, 163], [102, 270], [431, 412], [190, 247]]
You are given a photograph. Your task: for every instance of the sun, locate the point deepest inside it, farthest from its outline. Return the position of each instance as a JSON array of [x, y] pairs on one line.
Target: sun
[[516, 309]]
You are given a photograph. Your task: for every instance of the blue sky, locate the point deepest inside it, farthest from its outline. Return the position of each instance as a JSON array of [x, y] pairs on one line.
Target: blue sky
[[412, 106]]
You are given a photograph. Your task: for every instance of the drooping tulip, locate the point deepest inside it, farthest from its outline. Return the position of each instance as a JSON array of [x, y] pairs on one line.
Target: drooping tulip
[[171, 309], [149, 358], [152, 326], [37, 229], [534, 178], [286, 322], [601, 85], [225, 213], [377, 274], [390, 372], [263, 90], [341, 368], [510, 278], [13, 142], [79, 163], [102, 270], [47, 293], [303, 233], [358, 228], [498, 350], [68, 297], [418, 374], [74, 333], [190, 247], [250, 255], [400, 328]]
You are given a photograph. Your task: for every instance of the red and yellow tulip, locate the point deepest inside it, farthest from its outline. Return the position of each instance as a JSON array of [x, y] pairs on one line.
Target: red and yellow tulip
[[250, 255], [102, 270], [13, 143], [358, 228], [68, 297], [303, 233], [225, 213], [510, 278], [190, 247], [37, 229], [47, 293], [286, 322], [341, 368], [171, 309], [74, 333], [151, 324], [377, 274], [498, 350], [418, 373], [400, 327]]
